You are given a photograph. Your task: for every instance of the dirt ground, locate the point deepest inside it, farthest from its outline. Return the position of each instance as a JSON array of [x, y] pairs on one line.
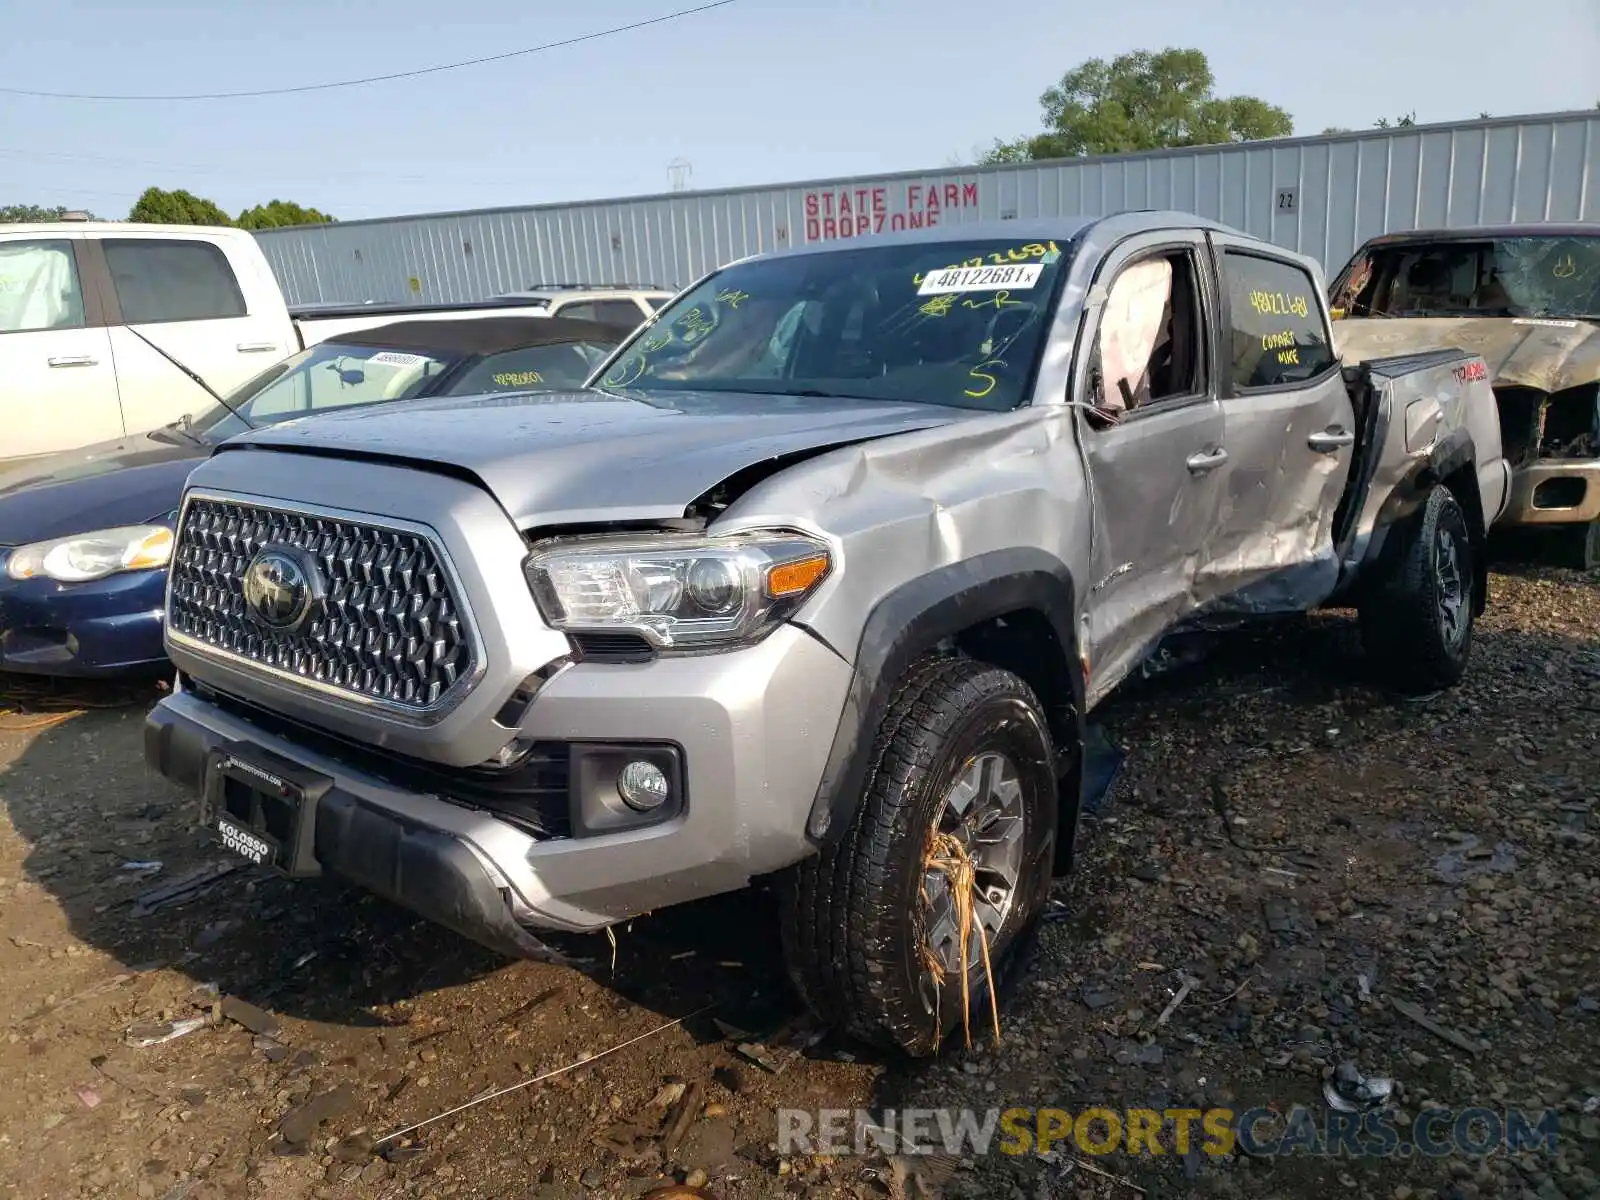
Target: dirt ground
[[1293, 871]]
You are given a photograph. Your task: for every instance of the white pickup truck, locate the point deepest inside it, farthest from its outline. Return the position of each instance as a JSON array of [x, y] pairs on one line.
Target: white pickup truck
[[89, 312]]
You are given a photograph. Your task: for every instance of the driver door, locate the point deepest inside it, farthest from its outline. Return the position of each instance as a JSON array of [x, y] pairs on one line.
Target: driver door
[[1156, 455]]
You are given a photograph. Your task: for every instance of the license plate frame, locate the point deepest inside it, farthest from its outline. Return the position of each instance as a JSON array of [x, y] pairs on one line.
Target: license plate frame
[[254, 794], [253, 847]]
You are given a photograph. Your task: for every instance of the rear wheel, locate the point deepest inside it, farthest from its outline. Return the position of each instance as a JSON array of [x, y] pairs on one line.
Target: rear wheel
[[1416, 624], [956, 834]]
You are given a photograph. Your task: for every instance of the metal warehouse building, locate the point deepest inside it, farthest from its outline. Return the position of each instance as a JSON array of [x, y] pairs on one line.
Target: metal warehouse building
[[1320, 195]]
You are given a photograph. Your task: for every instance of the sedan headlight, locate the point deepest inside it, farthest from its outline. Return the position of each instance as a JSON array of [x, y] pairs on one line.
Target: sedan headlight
[[676, 592], [86, 556]]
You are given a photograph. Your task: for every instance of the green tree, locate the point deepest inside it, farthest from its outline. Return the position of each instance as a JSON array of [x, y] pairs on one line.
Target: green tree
[[1141, 101], [176, 208], [16, 214], [1405, 121], [277, 213]]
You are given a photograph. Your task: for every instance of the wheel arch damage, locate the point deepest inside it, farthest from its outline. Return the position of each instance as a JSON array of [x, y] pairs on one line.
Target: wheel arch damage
[[1011, 608], [1450, 463], [956, 540]]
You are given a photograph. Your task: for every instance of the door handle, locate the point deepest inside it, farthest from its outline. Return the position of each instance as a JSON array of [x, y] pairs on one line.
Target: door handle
[[256, 347], [1330, 440], [1207, 460], [73, 360]]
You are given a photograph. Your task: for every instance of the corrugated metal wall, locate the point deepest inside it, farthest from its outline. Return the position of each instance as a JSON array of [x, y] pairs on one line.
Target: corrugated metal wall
[[1322, 196]]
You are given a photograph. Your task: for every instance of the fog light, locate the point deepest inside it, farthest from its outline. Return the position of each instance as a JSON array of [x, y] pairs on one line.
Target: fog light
[[642, 785]]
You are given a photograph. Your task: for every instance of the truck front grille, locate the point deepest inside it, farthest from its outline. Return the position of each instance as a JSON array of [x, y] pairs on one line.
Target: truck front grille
[[388, 626]]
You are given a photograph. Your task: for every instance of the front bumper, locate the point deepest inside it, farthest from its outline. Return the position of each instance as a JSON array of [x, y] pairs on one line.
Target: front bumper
[[751, 730], [108, 626], [1554, 491]]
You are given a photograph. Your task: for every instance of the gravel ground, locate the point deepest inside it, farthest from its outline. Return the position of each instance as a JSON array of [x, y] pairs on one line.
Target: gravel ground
[[1312, 864]]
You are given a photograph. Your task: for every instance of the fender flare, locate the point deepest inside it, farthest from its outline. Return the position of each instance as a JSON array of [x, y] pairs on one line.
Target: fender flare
[[910, 621]]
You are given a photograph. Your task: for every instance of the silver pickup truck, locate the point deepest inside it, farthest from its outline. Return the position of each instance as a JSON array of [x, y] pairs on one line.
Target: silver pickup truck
[[813, 585]]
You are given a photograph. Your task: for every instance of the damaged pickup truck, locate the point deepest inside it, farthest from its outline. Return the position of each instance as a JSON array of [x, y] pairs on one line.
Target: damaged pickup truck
[[811, 586], [1526, 298]]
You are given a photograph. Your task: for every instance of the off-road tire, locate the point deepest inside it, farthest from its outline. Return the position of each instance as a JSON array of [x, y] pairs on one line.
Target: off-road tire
[[1402, 632], [852, 915]]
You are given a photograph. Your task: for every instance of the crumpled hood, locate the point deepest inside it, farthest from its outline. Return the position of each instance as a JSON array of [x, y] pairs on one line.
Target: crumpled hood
[[571, 457], [124, 481], [1546, 354]]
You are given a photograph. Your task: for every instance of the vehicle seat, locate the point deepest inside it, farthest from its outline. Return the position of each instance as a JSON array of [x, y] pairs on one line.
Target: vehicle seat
[[401, 380]]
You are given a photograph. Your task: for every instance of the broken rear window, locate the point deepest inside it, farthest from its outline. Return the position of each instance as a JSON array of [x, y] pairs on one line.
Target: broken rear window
[[1550, 277]]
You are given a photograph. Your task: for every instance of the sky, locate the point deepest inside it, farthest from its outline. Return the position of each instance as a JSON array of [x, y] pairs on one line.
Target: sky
[[758, 91]]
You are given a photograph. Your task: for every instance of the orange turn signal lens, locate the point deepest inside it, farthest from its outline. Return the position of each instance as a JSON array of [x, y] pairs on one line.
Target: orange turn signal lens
[[152, 550], [793, 578]]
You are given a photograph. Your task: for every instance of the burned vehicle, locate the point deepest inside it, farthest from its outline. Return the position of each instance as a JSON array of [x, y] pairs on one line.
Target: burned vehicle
[[1526, 298], [811, 587]]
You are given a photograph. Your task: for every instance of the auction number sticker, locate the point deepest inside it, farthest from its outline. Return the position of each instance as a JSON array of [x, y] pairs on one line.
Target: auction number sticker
[[396, 358], [980, 279]]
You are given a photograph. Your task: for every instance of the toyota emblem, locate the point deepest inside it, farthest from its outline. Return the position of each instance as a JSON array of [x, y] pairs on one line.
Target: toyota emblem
[[280, 588]]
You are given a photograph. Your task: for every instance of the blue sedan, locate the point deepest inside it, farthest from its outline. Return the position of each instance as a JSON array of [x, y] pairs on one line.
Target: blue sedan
[[85, 536]]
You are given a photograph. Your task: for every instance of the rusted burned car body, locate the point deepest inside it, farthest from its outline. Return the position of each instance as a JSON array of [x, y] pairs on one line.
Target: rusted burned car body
[[1526, 298], [814, 583]]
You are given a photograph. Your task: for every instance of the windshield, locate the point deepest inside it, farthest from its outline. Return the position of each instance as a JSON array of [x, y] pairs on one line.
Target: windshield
[[563, 365], [950, 323], [1551, 277], [329, 375]]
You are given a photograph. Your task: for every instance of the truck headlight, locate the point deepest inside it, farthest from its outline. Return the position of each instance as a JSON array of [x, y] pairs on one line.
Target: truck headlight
[[85, 556], [678, 592]]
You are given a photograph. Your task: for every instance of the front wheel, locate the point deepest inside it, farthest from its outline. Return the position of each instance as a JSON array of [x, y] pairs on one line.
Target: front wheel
[[1583, 546], [897, 933], [1416, 625]]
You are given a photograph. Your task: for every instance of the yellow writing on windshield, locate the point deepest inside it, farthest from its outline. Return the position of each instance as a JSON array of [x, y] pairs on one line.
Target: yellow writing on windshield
[[1001, 299], [655, 341], [939, 306], [1278, 304], [980, 374], [1564, 267], [626, 372], [518, 378], [732, 297], [1048, 251], [694, 325]]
